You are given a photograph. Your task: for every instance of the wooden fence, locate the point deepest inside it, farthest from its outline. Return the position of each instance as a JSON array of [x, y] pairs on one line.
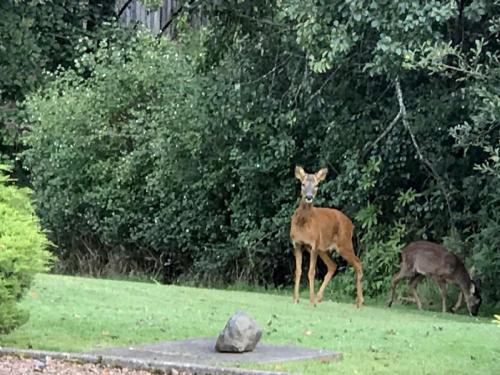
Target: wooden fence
[[159, 21]]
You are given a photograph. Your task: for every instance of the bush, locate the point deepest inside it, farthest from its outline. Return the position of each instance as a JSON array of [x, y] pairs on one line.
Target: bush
[[34, 37], [486, 242], [22, 251], [135, 172], [112, 156]]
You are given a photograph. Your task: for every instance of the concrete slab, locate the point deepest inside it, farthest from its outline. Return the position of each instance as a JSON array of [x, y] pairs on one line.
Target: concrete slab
[[156, 367], [200, 351]]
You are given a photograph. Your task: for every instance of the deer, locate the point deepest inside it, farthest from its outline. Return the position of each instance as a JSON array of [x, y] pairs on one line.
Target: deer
[[321, 230], [425, 258]]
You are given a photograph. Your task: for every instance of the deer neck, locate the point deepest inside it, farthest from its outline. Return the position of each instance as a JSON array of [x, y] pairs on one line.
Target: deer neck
[[464, 282], [303, 212]]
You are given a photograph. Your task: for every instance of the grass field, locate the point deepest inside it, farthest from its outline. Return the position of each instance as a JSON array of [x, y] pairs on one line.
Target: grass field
[[75, 314]]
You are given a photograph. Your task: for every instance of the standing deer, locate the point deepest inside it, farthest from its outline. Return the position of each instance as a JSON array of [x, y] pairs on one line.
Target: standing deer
[[320, 230], [424, 258]]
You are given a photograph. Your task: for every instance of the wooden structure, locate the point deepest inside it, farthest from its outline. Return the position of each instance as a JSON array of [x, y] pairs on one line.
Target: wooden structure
[[159, 21]]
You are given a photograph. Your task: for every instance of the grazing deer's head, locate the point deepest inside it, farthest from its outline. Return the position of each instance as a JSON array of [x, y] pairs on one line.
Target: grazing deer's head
[[310, 182], [473, 300]]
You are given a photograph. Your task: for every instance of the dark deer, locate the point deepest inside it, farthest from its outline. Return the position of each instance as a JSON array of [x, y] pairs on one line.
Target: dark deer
[[321, 230], [424, 258]]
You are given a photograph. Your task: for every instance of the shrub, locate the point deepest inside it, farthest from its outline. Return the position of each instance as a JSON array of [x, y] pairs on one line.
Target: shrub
[[22, 251], [486, 242], [113, 157]]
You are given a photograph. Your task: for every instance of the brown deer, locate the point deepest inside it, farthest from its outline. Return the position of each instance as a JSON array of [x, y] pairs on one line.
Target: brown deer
[[320, 230], [424, 258]]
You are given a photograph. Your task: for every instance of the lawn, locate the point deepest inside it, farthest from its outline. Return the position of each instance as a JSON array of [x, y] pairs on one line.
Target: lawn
[[76, 314]]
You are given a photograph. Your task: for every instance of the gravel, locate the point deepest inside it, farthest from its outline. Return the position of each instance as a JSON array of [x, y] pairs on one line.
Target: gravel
[[10, 365]]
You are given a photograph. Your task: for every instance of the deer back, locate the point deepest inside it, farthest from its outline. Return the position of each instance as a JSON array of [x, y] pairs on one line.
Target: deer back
[[436, 261], [319, 228]]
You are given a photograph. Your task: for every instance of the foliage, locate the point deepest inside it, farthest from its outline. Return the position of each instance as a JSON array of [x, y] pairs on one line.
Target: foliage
[[382, 258], [112, 154], [481, 133], [485, 242], [152, 4], [94, 313], [37, 36], [184, 165], [321, 75], [22, 251]]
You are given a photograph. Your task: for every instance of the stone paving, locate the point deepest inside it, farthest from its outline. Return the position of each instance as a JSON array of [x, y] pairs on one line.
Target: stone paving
[[187, 357], [201, 351]]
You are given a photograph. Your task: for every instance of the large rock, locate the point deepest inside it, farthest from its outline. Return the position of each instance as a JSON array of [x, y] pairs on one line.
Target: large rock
[[241, 334]]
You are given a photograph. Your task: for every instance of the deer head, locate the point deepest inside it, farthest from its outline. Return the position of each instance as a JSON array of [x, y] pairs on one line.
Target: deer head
[[309, 182], [473, 299]]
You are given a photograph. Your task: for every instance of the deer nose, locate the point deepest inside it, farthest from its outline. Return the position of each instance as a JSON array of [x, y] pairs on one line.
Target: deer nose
[[309, 197]]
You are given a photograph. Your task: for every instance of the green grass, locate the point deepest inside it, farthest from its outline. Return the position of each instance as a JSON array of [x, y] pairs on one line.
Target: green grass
[[75, 314]]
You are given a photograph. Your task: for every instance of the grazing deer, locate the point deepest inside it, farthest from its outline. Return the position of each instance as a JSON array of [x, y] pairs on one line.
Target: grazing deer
[[424, 258], [320, 230]]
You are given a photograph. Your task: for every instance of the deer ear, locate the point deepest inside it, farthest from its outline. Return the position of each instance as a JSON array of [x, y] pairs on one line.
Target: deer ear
[[299, 172], [321, 174], [472, 289]]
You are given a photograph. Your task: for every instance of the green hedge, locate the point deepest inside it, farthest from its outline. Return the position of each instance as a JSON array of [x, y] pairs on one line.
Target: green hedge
[[23, 251], [111, 156]]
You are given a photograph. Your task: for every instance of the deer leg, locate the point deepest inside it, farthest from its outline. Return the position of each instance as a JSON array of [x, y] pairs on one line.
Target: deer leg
[[459, 302], [442, 290], [347, 252], [332, 266], [297, 252], [413, 286], [394, 282], [312, 272]]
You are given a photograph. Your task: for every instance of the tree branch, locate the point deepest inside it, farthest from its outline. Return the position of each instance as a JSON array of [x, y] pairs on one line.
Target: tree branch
[[461, 70], [273, 70], [426, 162], [322, 86], [401, 115], [385, 132], [122, 9], [174, 15]]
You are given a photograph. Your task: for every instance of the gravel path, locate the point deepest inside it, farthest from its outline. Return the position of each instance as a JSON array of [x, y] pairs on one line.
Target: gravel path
[[10, 365]]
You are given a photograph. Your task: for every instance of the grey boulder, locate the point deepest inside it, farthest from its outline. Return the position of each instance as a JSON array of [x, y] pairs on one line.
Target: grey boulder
[[241, 334]]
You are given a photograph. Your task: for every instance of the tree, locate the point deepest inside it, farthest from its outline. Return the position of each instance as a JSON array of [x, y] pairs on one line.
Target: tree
[[38, 37]]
